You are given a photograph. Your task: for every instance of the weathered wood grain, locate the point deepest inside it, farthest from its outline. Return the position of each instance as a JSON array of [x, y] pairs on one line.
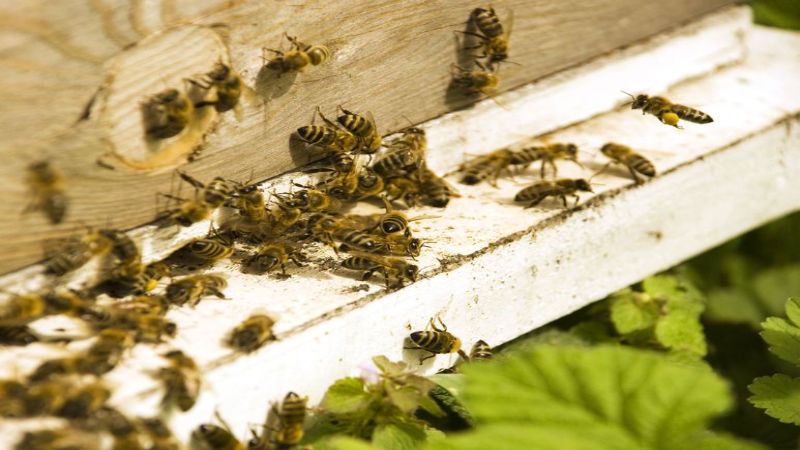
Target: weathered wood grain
[[392, 58]]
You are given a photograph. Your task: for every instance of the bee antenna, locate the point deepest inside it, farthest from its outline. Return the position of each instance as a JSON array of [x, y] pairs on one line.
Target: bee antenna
[[633, 98], [599, 172]]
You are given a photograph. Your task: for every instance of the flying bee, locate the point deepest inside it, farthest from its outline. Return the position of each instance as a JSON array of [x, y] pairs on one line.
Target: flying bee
[[486, 166], [166, 114], [181, 380], [284, 425], [299, 57], [491, 33], [547, 154], [161, 437], [227, 88], [252, 333], [635, 162], [480, 351], [57, 366], [20, 309], [271, 255], [330, 137], [77, 252], [438, 341], [435, 190], [561, 188], [84, 401], [193, 288], [206, 199], [474, 81], [363, 128], [394, 270], [214, 437], [667, 112], [63, 438], [17, 335], [122, 246], [46, 184]]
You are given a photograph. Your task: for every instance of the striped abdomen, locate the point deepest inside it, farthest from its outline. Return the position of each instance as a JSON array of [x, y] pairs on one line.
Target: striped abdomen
[[487, 22], [315, 134], [68, 259], [477, 173], [209, 249], [393, 223], [293, 410], [54, 204], [356, 124], [397, 161], [691, 114], [360, 263], [528, 155], [356, 239], [318, 54], [480, 351], [640, 164], [216, 437], [436, 341], [217, 191]]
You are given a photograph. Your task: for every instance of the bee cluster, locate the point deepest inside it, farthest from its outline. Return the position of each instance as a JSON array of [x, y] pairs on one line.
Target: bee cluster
[[357, 165]]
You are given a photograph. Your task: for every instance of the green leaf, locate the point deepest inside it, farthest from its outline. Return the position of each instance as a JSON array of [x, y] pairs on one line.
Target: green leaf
[[681, 330], [720, 441], [346, 395], [779, 396], [406, 398], [617, 397], [783, 338], [734, 305], [774, 285], [453, 382], [629, 313], [593, 331], [793, 310], [388, 367], [399, 436]]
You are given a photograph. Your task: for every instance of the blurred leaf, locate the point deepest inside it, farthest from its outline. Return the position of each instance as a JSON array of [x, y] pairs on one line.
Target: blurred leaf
[[671, 288], [399, 436], [779, 396], [793, 310], [777, 13], [681, 330], [783, 338], [346, 395], [388, 367], [629, 313], [404, 397], [734, 305], [593, 331], [343, 443], [453, 382], [774, 285]]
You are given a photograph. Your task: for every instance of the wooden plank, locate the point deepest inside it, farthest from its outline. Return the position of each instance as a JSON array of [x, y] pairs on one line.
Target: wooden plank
[[391, 58], [494, 270]]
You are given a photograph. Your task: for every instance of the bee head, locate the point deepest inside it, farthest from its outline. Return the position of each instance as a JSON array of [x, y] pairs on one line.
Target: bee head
[[583, 185], [572, 151], [170, 328], [411, 271], [413, 247], [640, 101]]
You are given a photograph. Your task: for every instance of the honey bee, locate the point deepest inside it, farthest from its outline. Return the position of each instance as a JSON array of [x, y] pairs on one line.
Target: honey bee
[[17, 335], [271, 255], [363, 128], [495, 40], [193, 288], [64, 438], [547, 154], [400, 244], [77, 252], [480, 351], [435, 190], [83, 402], [299, 57], [394, 270], [122, 246], [214, 437], [227, 88], [633, 161], [181, 380], [166, 114], [438, 341], [285, 425], [474, 81], [46, 184], [405, 156], [486, 166], [143, 304], [252, 333], [12, 398], [107, 350], [57, 366], [561, 188], [330, 137], [250, 203], [328, 230], [404, 188], [21, 309], [152, 274], [146, 327], [215, 193], [209, 249], [667, 112], [161, 437], [206, 199]]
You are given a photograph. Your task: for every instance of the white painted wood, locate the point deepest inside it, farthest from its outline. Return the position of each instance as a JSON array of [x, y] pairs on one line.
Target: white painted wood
[[495, 271]]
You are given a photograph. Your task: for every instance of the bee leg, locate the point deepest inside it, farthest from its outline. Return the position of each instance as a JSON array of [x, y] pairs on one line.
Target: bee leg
[[577, 199], [634, 175], [295, 261], [421, 360], [563, 199], [215, 292], [555, 168], [283, 269], [367, 275], [463, 355], [542, 170]]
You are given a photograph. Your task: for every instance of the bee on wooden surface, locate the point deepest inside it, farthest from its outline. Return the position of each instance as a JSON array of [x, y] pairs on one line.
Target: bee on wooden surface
[[299, 57], [227, 88], [667, 112], [181, 380], [363, 128], [480, 351], [435, 190], [252, 333], [269, 256], [84, 401], [214, 437], [474, 81], [331, 137], [395, 271], [77, 252], [328, 230], [250, 203], [161, 437], [486, 167], [166, 114], [63, 438], [12, 398], [561, 188], [547, 154], [212, 248], [20, 309], [215, 193], [206, 199], [404, 188], [193, 288], [46, 184], [494, 38], [438, 341], [402, 245], [341, 185], [152, 274], [635, 162], [284, 426], [17, 335], [398, 162]]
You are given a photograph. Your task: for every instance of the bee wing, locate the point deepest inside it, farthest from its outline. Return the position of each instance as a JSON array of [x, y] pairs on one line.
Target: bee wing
[[372, 120], [509, 22]]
